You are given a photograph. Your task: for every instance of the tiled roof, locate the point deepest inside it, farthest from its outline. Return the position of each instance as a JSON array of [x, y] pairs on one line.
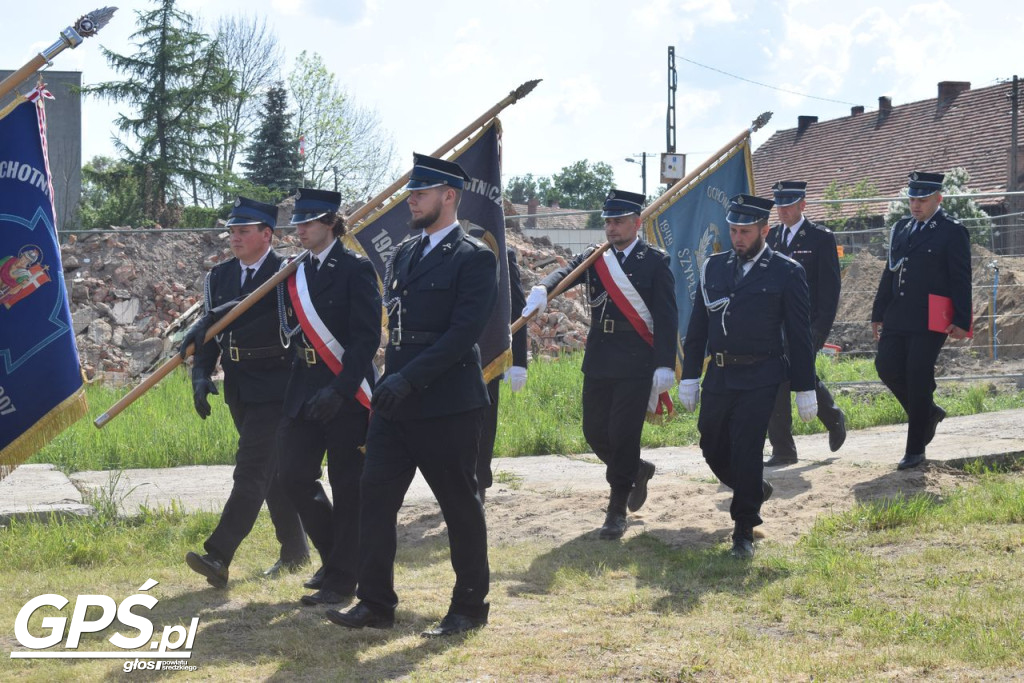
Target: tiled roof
[[547, 217], [972, 131]]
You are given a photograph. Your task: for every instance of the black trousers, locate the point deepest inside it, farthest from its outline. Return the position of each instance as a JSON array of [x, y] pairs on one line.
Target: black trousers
[[906, 364], [488, 432], [254, 477], [444, 449], [732, 428], [333, 528], [613, 422], [780, 426]]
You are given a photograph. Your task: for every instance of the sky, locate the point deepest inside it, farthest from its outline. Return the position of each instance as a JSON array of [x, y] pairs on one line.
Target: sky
[[429, 69]]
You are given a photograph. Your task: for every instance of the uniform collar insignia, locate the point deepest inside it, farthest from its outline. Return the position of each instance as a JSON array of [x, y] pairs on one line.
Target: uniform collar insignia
[[447, 247]]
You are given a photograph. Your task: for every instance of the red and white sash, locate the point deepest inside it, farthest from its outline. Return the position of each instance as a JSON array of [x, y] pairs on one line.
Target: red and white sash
[[625, 297], [326, 346]]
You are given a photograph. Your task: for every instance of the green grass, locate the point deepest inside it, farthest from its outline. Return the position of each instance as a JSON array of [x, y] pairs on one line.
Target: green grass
[[162, 430], [911, 588]]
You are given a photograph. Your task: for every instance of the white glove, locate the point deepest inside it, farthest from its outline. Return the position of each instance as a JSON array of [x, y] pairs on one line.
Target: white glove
[[689, 393], [536, 301], [516, 377], [806, 405], [664, 378]]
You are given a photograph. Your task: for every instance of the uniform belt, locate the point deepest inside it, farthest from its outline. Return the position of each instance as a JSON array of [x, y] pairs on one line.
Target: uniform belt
[[308, 354], [398, 336], [236, 354], [613, 326], [723, 359]]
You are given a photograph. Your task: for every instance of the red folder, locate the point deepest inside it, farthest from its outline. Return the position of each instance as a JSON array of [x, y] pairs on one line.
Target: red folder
[[940, 314]]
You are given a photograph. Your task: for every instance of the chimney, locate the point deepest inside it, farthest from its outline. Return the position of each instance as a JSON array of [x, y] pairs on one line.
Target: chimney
[[884, 105], [804, 122], [553, 204], [531, 210], [859, 109], [948, 90]]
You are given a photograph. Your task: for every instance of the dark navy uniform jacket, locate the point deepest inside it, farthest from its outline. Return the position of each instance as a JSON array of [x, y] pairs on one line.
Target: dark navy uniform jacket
[[445, 302], [622, 352], [255, 333], [814, 248], [749, 319], [346, 296], [935, 260], [518, 298]]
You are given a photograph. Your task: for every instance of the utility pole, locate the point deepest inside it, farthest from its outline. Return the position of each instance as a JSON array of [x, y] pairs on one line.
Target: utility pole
[[670, 116], [643, 169], [1012, 186]]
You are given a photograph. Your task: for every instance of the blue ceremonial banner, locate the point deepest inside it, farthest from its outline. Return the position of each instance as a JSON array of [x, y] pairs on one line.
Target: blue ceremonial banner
[[480, 214], [692, 226], [40, 379]]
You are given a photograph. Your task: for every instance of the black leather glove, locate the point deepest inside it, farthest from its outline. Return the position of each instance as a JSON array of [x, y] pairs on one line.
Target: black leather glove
[[202, 386], [324, 404], [195, 335], [390, 393]]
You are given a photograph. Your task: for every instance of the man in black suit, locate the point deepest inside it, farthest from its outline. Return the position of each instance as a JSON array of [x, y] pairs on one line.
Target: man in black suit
[[813, 247], [929, 255], [515, 376], [429, 407], [331, 312], [630, 354], [255, 374], [751, 315]]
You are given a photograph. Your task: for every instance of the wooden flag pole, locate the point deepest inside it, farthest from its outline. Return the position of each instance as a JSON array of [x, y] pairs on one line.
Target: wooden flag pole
[[215, 329], [569, 279], [86, 27], [513, 97]]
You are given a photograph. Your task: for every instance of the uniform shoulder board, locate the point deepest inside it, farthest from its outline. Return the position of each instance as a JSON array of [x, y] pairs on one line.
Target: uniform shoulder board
[[820, 226], [590, 250], [656, 249], [786, 259], [223, 264], [476, 242]]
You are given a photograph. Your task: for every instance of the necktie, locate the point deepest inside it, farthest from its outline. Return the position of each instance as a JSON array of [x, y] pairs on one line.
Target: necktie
[[621, 256], [738, 275], [417, 253], [790, 235], [247, 283], [311, 269]]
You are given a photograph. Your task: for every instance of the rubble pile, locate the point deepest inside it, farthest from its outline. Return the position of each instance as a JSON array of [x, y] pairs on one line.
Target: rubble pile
[[133, 293]]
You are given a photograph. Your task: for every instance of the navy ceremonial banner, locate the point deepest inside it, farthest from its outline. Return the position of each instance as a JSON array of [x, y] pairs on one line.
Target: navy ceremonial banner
[[40, 379], [480, 214], [692, 226]]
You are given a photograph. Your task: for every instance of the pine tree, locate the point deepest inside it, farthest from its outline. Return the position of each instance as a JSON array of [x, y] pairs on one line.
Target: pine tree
[[273, 156], [171, 81]]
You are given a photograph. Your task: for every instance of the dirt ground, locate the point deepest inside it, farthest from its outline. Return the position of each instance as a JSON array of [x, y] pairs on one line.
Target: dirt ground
[[689, 511]]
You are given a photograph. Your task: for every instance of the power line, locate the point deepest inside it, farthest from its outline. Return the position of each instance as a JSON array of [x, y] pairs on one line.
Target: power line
[[765, 85]]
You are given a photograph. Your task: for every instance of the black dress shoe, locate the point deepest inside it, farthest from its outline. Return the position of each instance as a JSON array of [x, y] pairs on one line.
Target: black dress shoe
[[837, 436], [361, 616], [614, 526], [325, 596], [766, 490], [742, 548], [317, 581], [909, 461], [779, 459], [938, 415], [455, 623], [285, 567], [638, 495], [215, 571]]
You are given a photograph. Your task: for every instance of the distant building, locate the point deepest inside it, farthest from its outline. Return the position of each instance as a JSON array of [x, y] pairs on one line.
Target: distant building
[[64, 140], [959, 127]]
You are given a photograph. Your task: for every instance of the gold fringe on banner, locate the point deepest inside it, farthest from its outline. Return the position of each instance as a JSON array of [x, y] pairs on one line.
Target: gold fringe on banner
[[19, 98], [65, 414], [497, 366]]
